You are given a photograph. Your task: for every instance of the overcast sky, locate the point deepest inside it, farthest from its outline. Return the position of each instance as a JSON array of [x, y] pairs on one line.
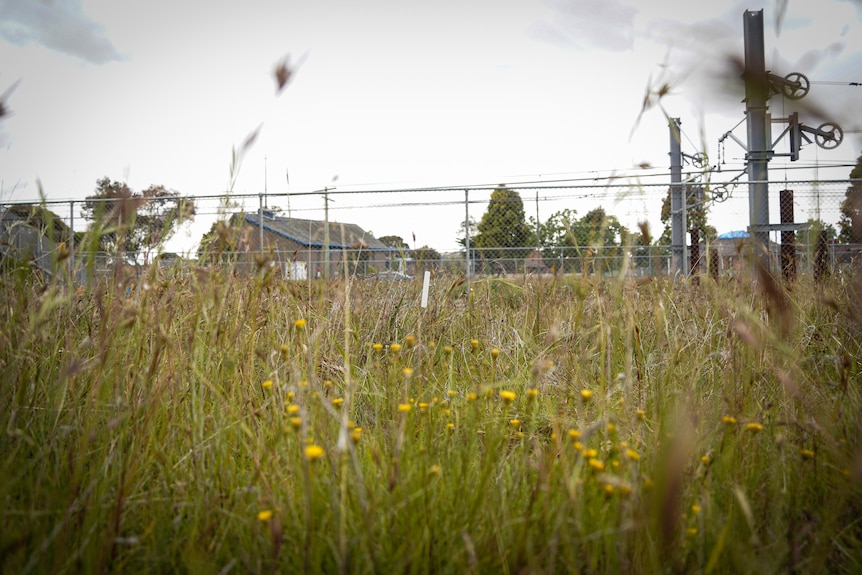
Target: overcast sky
[[393, 94]]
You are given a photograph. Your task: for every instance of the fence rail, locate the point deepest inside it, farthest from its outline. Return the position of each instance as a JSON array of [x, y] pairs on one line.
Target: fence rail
[[500, 230]]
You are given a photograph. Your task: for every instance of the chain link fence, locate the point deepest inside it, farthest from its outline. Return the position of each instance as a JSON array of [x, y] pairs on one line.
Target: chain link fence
[[480, 231]]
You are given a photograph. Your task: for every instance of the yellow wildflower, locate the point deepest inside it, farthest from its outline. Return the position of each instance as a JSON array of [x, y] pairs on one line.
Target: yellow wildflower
[[632, 454], [404, 407], [495, 352], [435, 470], [450, 425], [695, 509], [356, 434], [337, 401], [264, 515], [590, 453], [377, 346], [267, 383], [396, 347], [407, 371], [578, 445], [507, 396], [728, 420], [299, 324], [423, 405], [515, 422], [754, 426], [597, 464], [574, 434], [293, 409], [410, 340], [313, 452], [640, 413], [448, 349], [532, 393], [586, 394], [471, 396], [296, 422], [706, 458], [807, 453]]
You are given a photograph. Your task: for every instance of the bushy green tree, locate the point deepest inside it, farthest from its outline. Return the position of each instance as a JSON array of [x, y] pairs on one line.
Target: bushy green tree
[[504, 227], [125, 220], [569, 240]]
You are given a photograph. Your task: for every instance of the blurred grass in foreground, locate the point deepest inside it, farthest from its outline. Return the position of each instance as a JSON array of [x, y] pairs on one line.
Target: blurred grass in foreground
[[211, 423]]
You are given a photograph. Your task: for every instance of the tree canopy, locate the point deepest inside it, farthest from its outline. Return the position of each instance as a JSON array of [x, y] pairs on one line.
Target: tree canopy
[[695, 216], [126, 220], [394, 242], [503, 226], [850, 221]]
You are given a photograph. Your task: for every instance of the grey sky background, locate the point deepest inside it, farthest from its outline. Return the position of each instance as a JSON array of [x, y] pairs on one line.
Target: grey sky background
[[392, 94]]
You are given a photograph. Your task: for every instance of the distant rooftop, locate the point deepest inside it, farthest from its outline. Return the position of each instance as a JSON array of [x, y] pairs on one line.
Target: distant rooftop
[[311, 233]]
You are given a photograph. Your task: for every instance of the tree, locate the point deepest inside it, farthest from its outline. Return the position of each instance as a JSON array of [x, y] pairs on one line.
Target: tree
[[696, 212], [503, 227], [222, 241], [850, 221], [394, 242], [566, 239], [468, 227], [427, 258], [125, 220], [810, 235]]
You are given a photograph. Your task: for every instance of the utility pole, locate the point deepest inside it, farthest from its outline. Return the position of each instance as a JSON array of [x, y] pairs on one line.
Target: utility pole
[[677, 201], [467, 235], [539, 262], [757, 92], [325, 233], [260, 221]]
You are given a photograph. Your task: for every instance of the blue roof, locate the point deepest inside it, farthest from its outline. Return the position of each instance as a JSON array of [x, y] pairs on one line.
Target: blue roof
[[734, 235]]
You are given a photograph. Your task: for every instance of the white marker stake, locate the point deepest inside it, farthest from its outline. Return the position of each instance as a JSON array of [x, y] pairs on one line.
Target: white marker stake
[[425, 283]]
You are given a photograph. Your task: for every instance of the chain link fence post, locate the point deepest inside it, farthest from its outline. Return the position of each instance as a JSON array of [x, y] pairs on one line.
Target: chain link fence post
[[788, 237]]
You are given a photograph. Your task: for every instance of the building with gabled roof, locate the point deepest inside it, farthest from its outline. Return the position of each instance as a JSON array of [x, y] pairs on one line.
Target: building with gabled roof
[[301, 247]]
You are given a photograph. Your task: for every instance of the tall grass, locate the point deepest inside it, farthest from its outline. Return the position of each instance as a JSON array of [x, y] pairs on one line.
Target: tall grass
[[551, 425]]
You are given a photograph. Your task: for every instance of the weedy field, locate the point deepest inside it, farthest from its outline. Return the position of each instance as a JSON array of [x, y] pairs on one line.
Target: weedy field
[[203, 422]]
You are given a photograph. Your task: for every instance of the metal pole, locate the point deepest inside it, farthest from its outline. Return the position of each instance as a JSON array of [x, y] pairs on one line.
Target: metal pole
[[467, 234], [72, 236], [677, 201], [539, 261], [326, 233], [260, 218], [759, 147]]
